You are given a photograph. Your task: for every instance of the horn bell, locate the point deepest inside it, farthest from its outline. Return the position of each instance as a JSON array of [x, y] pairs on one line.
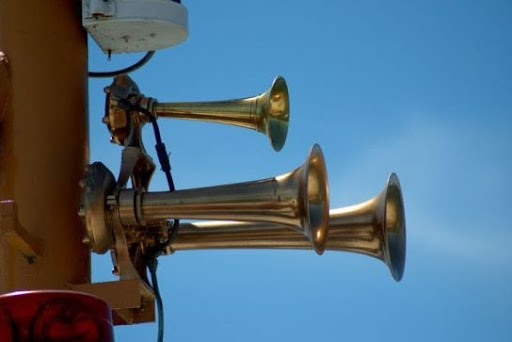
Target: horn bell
[[375, 228], [395, 228], [274, 113], [267, 113]]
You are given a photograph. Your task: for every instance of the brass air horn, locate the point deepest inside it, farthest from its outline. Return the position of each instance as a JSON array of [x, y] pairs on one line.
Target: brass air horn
[[267, 113], [375, 228], [298, 199]]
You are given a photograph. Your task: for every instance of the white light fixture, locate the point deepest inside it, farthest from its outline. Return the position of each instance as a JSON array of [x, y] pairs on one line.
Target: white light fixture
[[135, 25]]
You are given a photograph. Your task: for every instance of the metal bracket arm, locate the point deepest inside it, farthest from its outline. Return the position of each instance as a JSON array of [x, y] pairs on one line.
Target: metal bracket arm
[[14, 233]]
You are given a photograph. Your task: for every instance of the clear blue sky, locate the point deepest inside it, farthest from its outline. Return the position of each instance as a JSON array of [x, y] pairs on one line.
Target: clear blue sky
[[421, 88]]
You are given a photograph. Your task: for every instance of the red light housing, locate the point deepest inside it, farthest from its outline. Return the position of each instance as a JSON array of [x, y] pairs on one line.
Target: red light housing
[[54, 316], [6, 326]]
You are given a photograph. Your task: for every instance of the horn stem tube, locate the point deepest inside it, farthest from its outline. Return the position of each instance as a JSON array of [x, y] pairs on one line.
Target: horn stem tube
[[270, 200], [267, 113], [345, 234], [236, 112]]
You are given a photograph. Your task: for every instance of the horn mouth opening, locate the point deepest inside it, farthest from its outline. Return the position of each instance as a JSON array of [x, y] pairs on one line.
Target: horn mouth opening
[[316, 199], [394, 235], [278, 113]]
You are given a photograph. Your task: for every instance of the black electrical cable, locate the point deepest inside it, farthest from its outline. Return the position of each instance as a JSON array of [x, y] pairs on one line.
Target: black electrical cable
[[154, 251], [165, 164], [163, 158], [127, 70], [152, 266]]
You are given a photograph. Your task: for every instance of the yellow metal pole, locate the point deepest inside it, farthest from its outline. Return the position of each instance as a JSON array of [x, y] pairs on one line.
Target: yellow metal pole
[[43, 144]]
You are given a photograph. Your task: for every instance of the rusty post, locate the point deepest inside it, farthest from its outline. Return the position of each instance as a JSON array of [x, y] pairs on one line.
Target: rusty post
[[43, 144]]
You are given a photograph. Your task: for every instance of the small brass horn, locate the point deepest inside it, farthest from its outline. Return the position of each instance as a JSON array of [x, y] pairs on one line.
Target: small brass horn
[[298, 199], [267, 113], [375, 228]]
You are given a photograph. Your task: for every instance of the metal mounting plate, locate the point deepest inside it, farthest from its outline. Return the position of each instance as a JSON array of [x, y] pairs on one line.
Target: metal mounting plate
[[98, 182]]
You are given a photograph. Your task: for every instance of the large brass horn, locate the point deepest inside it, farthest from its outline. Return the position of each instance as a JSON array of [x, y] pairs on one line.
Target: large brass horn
[[298, 199], [267, 113], [375, 228]]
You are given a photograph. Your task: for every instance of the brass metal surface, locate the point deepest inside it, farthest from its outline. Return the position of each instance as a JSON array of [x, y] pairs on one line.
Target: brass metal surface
[[43, 141], [299, 199], [97, 183], [105, 232], [123, 124], [131, 297], [117, 218], [267, 113], [375, 228]]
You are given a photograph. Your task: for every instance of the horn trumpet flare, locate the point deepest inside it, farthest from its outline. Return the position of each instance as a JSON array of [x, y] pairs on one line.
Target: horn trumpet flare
[[375, 228], [267, 113]]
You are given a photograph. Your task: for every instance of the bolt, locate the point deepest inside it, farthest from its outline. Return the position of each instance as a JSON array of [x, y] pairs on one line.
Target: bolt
[[86, 240], [107, 89], [111, 202]]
